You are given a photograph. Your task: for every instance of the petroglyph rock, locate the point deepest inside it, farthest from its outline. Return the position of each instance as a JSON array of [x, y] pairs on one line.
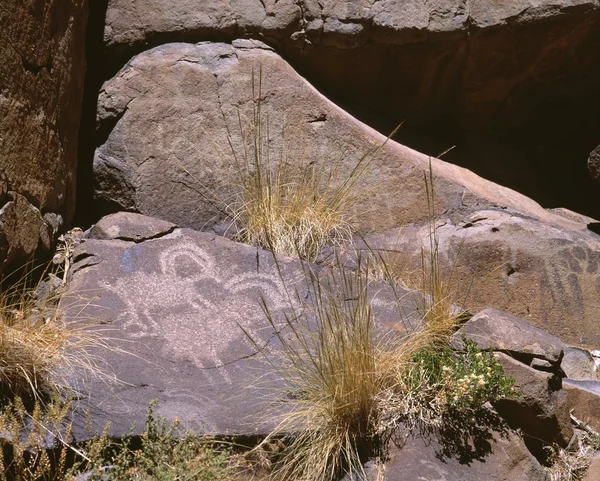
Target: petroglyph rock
[[180, 306], [499, 258], [185, 309]]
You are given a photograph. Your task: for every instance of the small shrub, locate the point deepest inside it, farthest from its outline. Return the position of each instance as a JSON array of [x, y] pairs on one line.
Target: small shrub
[[164, 453], [438, 384], [29, 449]]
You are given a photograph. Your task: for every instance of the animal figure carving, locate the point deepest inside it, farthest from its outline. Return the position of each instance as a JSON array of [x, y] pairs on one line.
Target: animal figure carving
[[197, 305]]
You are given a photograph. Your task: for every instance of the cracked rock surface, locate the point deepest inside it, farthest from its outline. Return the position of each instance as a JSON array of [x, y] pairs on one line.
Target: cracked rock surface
[[169, 111], [42, 49]]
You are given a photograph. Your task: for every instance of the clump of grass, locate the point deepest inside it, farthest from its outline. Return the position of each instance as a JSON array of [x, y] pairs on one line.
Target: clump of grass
[[350, 391], [328, 360], [289, 204], [39, 350]]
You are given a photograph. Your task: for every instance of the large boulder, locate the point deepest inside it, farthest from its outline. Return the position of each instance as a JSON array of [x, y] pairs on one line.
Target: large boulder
[[499, 258], [42, 47], [181, 306], [168, 113], [186, 324], [488, 77]]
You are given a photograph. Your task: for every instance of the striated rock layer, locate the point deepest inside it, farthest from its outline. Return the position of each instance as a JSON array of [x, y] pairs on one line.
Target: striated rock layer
[[42, 47]]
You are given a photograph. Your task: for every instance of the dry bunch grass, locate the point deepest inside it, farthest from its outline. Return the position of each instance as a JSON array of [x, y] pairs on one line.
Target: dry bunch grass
[[328, 363], [39, 350]]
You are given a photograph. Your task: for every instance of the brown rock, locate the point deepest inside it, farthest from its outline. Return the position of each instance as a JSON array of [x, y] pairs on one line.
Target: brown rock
[[541, 412], [455, 70], [509, 460], [500, 331], [42, 49], [583, 398], [499, 258], [171, 105], [129, 226], [21, 227], [177, 306]]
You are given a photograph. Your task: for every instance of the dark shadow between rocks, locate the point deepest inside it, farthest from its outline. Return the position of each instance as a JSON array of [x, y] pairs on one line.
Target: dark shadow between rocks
[[466, 436]]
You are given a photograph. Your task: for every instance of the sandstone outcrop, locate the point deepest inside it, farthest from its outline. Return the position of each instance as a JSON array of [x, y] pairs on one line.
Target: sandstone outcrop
[[42, 47]]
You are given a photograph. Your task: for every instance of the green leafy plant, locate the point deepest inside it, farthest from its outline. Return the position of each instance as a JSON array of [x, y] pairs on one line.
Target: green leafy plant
[[163, 453], [437, 384]]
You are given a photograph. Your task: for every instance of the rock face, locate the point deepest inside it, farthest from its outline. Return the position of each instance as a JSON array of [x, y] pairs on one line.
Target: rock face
[[427, 63], [167, 109], [177, 303], [498, 258], [42, 50], [165, 112], [422, 459]]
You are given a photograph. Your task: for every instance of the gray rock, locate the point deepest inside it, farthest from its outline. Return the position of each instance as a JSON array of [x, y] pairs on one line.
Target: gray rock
[[501, 331], [509, 460], [578, 364]]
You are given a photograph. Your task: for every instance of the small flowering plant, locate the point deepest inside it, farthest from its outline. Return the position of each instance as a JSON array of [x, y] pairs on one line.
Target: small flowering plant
[[468, 379], [437, 385]]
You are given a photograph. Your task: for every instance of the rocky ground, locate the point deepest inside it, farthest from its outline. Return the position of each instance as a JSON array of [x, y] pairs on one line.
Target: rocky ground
[[171, 93]]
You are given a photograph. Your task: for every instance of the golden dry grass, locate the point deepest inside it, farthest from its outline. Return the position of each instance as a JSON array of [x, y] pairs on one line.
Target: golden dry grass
[[39, 350]]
